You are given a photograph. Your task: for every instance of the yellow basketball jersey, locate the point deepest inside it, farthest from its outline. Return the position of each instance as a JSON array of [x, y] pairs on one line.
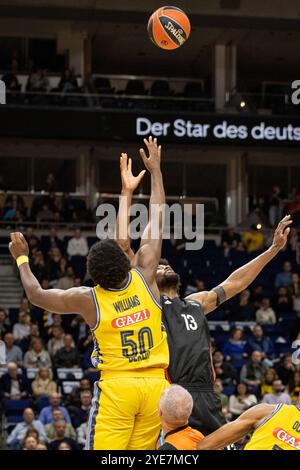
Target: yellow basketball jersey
[[281, 431], [129, 335]]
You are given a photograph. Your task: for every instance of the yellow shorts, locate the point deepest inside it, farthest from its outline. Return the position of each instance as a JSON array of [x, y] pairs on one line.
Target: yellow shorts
[[124, 413]]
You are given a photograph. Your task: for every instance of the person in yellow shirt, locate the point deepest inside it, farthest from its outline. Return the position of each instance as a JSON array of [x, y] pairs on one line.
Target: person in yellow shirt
[[124, 314], [273, 427], [253, 239]]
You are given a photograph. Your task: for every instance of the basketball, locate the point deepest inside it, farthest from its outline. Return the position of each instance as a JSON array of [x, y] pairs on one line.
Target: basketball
[[169, 28]]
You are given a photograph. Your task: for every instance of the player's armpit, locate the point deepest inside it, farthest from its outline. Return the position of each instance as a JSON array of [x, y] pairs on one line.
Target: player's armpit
[[236, 430]]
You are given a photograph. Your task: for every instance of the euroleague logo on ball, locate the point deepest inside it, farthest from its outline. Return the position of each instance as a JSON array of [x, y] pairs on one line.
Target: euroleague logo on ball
[[169, 28]]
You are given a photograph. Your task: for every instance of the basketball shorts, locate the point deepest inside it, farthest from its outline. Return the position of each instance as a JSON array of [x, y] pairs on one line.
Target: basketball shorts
[[207, 414], [124, 413]]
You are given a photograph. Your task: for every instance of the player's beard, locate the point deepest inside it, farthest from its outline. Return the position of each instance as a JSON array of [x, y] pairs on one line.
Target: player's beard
[[169, 281]]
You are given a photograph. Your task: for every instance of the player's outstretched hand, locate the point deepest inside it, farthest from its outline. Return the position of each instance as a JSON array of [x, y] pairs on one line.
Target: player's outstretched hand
[[282, 232], [153, 161], [18, 245], [129, 182]]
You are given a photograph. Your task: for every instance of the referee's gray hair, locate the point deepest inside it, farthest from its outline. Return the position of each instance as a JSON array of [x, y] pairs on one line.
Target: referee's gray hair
[[176, 404]]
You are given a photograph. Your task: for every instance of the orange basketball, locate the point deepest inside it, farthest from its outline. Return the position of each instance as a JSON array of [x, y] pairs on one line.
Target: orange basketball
[[169, 27]]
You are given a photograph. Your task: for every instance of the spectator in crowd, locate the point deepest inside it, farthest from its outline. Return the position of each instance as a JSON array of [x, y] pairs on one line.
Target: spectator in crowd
[[30, 443], [64, 445], [73, 399], [293, 239], [12, 83], [60, 434], [45, 214], [13, 352], [56, 320], [22, 327], [12, 384], [174, 409], [294, 287], [38, 81], [34, 333], [57, 340], [26, 307], [218, 389], [82, 432], [294, 209], [43, 384], [286, 369], [278, 395], [46, 414], [274, 205], [257, 295], [243, 309], [252, 373], [32, 240], [41, 446], [265, 315], [68, 355], [81, 413], [241, 400], [253, 239], [51, 431], [54, 262], [262, 343], [52, 241], [68, 280], [38, 265], [194, 286], [230, 240], [15, 438], [77, 251], [68, 82], [267, 383], [234, 349], [36, 356], [50, 183], [4, 322], [224, 370], [80, 332], [284, 278], [293, 387], [283, 302]]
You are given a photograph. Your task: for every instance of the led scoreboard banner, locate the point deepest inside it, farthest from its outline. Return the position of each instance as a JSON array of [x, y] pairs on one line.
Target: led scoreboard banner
[[122, 125]]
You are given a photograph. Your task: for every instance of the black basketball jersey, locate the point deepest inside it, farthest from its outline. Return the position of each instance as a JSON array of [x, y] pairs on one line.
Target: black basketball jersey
[[189, 342]]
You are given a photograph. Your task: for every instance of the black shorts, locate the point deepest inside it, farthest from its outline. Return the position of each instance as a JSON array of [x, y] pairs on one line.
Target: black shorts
[[207, 413]]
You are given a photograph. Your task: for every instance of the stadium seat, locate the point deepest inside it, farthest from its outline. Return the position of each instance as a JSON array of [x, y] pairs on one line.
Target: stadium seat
[[71, 374]]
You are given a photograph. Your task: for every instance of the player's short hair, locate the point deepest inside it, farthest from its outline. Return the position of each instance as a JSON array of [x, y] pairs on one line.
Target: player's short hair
[[163, 262], [107, 264]]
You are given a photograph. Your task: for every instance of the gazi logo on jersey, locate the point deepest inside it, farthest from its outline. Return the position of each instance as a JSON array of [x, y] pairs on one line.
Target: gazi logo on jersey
[[127, 320], [287, 438]]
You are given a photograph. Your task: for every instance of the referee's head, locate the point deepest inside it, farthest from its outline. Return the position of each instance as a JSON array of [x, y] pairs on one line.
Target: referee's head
[[175, 407]]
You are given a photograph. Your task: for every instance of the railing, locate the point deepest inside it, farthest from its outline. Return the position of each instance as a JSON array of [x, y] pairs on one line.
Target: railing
[[107, 100]]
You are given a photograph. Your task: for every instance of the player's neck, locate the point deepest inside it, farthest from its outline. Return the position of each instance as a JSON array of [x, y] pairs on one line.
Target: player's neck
[[171, 293]]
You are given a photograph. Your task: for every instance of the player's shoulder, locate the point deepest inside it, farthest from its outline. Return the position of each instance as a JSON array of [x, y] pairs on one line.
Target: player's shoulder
[[259, 413]]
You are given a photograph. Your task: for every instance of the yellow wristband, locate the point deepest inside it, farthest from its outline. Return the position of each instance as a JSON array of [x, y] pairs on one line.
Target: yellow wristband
[[22, 259]]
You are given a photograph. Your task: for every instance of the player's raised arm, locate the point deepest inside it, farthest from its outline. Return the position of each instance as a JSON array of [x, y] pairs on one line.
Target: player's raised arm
[[244, 276], [148, 255], [236, 430], [76, 300], [129, 185]]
